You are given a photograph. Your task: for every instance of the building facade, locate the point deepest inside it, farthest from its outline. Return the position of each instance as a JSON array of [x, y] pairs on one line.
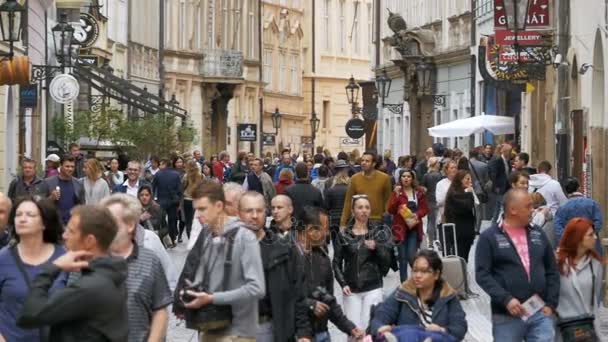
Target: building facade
[[212, 65]]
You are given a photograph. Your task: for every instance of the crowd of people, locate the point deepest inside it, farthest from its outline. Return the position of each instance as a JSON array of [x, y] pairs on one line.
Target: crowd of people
[[85, 254]]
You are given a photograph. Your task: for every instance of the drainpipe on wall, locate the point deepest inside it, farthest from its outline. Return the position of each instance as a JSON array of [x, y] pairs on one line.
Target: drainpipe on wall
[[473, 85], [161, 49], [562, 108], [261, 78], [314, 68]]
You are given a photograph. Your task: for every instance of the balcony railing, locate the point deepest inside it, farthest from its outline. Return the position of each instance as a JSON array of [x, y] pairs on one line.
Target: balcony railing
[[222, 63]]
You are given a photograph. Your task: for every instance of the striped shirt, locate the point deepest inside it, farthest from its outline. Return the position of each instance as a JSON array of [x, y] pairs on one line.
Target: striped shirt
[[147, 291], [425, 313]]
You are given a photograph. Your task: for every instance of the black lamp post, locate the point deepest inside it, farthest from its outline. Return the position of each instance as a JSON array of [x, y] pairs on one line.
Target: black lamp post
[[276, 121], [11, 24], [424, 73], [62, 38], [314, 127], [352, 94], [383, 84]]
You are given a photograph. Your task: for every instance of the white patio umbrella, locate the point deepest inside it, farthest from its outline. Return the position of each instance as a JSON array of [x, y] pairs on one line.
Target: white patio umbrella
[[476, 124]]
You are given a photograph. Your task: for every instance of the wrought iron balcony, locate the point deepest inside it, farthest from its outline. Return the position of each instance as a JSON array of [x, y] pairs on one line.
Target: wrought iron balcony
[[222, 63]]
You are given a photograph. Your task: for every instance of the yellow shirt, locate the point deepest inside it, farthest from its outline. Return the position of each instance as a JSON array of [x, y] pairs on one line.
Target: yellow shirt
[[378, 189]]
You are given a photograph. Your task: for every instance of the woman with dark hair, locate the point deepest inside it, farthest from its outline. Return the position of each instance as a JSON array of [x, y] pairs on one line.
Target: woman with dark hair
[[460, 210], [37, 230], [207, 170], [463, 164], [581, 273], [408, 206], [362, 257], [178, 164], [240, 169], [153, 217], [519, 180], [114, 176], [424, 307]]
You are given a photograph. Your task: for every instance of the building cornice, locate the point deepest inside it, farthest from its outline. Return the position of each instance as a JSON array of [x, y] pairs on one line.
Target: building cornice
[[457, 55], [183, 54]]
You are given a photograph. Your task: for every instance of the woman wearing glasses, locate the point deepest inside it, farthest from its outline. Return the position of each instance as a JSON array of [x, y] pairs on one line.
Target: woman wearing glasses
[[361, 258], [423, 307]]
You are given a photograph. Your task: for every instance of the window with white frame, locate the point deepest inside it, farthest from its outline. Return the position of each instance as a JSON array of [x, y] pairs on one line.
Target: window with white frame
[[183, 25], [251, 31], [282, 71], [484, 7], [267, 68], [342, 24], [327, 23], [294, 68], [355, 34]]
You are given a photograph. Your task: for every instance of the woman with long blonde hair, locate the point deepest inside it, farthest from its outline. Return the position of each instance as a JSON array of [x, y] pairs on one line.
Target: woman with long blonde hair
[[191, 179], [95, 187]]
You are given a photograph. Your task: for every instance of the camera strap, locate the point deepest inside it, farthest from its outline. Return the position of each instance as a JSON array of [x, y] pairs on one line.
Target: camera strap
[[228, 246]]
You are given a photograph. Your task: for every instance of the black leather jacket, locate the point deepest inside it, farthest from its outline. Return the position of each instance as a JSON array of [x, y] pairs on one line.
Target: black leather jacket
[[359, 267]]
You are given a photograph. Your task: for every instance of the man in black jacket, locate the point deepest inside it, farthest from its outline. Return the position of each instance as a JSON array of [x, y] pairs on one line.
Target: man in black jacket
[[500, 169], [319, 278], [283, 312], [92, 308], [167, 186], [28, 184], [303, 193], [281, 208]]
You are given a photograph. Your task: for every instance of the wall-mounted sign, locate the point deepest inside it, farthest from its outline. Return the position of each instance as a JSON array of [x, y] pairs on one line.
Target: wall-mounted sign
[[89, 60], [505, 37], [269, 139], [28, 96], [64, 88], [87, 32], [538, 14], [346, 141], [355, 128], [247, 132]]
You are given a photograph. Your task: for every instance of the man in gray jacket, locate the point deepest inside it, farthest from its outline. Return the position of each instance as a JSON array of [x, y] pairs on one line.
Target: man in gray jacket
[[206, 264]]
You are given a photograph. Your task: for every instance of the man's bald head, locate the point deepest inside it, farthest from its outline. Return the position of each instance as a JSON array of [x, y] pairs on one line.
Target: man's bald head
[[282, 209], [5, 208], [252, 209], [518, 207]]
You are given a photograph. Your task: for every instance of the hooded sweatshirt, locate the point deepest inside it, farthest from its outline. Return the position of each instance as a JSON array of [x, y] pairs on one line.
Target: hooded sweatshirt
[[549, 188], [92, 308]]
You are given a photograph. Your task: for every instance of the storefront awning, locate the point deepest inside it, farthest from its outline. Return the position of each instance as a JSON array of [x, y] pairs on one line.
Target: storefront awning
[[124, 91]]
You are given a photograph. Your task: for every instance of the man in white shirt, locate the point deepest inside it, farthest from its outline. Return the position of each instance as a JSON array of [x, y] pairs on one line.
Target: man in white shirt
[[133, 182]]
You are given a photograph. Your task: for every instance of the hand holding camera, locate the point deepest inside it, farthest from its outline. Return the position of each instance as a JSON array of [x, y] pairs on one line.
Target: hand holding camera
[[194, 297]]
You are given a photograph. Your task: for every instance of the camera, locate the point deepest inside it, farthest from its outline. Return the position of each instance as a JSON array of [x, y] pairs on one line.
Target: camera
[[320, 294], [186, 298]]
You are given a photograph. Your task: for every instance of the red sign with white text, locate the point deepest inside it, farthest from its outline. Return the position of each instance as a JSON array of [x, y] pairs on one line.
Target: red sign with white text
[[538, 14], [505, 37]]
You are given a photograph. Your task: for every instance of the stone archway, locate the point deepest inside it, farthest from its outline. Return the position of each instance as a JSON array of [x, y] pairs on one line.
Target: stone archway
[[598, 142]]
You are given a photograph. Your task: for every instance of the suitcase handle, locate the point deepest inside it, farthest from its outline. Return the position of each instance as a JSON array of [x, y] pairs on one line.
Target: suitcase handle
[[444, 244]]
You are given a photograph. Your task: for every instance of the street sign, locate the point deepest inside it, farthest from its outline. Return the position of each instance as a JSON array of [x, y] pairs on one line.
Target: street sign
[[538, 15], [506, 37], [269, 139], [247, 132], [28, 96], [346, 141], [355, 128]]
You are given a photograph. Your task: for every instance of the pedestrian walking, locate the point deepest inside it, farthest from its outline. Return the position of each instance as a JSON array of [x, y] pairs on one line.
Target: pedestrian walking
[[581, 277], [79, 160], [286, 163], [321, 180], [167, 186], [207, 169], [114, 176], [153, 217], [423, 308], [362, 257], [27, 184], [460, 210], [233, 282], [5, 208], [257, 180], [95, 187], [371, 182], [500, 168], [319, 278], [37, 231], [190, 181], [94, 304], [429, 184], [240, 169], [547, 186], [64, 189], [148, 293], [303, 193], [51, 165], [285, 180], [450, 170], [133, 182], [515, 265], [408, 205], [334, 198]]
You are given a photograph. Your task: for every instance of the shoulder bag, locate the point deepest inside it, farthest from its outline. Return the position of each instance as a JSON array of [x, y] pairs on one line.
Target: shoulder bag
[[483, 195], [580, 328], [213, 317]]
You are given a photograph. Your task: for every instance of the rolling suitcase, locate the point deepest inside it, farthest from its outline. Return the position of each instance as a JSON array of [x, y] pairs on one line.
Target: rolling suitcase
[[454, 267]]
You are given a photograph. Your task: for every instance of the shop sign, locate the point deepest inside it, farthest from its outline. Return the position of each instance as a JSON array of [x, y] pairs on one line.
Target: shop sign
[[28, 96], [247, 132], [355, 128], [346, 141], [87, 32], [506, 37], [64, 88], [269, 139], [538, 15]]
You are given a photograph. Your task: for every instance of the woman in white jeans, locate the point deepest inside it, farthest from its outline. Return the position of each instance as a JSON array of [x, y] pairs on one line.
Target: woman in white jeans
[[362, 257]]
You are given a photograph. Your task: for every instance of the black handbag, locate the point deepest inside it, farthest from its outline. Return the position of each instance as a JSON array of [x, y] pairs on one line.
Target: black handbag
[[580, 328], [213, 317], [483, 195]]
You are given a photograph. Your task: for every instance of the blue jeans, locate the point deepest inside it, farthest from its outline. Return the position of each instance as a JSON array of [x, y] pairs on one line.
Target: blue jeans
[[538, 328], [407, 250], [322, 337]]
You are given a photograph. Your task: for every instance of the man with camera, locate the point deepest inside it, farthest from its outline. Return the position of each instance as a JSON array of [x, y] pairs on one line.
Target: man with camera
[[223, 277], [283, 312], [319, 278]]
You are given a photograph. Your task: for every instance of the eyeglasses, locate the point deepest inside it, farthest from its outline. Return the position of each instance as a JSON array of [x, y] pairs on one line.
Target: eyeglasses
[[356, 197]]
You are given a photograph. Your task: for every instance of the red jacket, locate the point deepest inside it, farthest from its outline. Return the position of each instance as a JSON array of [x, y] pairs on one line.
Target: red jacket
[[400, 229], [218, 170]]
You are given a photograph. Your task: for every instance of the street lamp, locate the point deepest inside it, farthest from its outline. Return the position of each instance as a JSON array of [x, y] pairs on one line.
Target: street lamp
[[516, 12], [62, 38], [352, 91], [383, 84], [424, 72], [11, 24], [276, 120], [314, 127]]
